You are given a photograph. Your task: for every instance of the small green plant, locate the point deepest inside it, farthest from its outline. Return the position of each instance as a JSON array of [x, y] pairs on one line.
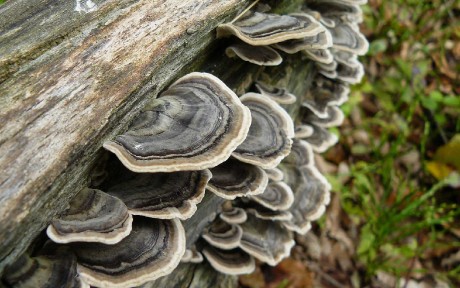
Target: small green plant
[[403, 212]]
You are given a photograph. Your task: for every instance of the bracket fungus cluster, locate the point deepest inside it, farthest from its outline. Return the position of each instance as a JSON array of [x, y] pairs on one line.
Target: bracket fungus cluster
[[204, 175]]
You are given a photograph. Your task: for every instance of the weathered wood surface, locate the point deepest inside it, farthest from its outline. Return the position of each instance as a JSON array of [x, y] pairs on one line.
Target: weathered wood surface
[[70, 80]]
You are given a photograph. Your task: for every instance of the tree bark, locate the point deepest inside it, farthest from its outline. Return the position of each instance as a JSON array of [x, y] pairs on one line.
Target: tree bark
[[70, 80]]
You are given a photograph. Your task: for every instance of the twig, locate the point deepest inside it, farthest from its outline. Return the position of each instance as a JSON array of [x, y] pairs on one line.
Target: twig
[[323, 275], [244, 11]]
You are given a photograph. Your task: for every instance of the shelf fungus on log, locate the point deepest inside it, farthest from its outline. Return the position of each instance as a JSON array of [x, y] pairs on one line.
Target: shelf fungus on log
[[264, 213], [303, 131], [153, 249], [262, 181], [321, 139], [269, 137], [208, 210], [192, 256], [334, 117], [44, 271], [233, 179], [222, 235], [311, 194], [301, 154], [93, 216], [350, 74], [322, 40], [234, 216], [267, 241], [259, 55], [319, 55], [274, 174], [232, 262], [195, 124], [256, 28], [337, 9], [325, 92], [279, 95], [348, 38], [277, 196], [159, 195]]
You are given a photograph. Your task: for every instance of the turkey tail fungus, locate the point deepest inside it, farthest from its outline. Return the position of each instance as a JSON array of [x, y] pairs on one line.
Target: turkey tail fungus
[[205, 174]]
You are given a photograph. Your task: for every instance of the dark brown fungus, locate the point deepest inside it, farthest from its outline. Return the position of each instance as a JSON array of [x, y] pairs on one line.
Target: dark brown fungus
[[311, 194], [322, 40], [232, 262], [222, 235], [233, 179], [319, 55], [347, 37], [194, 125], [93, 216], [159, 195], [274, 174], [153, 249], [334, 117], [321, 139], [206, 213], [269, 137], [279, 95], [345, 10], [277, 196], [266, 240], [301, 154], [234, 216], [44, 272], [192, 256], [323, 93], [303, 131], [261, 212], [257, 28], [259, 55]]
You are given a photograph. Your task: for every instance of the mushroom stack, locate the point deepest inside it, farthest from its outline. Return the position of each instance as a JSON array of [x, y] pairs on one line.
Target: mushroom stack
[[297, 193], [204, 174]]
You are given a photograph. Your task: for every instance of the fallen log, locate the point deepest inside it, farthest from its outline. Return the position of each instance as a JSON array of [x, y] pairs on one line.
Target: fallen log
[[73, 75]]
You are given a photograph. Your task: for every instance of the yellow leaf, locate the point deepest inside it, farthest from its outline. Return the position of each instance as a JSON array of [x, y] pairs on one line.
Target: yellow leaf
[[450, 153], [438, 170]]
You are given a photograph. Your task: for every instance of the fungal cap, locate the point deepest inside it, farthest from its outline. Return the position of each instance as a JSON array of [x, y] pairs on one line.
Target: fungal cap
[[256, 28], [277, 196], [274, 174], [322, 40], [153, 249], [160, 195], [93, 216], [265, 240], [259, 55], [234, 216], [233, 179], [279, 95], [178, 131], [269, 138], [232, 262], [222, 235]]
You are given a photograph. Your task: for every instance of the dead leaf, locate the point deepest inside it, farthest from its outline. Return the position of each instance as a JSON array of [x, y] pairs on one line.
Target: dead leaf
[[253, 280], [449, 153], [438, 170], [291, 273]]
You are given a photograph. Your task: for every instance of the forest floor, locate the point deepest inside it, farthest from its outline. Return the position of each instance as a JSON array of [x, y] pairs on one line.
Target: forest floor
[[393, 220]]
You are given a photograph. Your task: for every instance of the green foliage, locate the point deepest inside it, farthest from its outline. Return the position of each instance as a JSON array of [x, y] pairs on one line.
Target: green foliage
[[401, 212]]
